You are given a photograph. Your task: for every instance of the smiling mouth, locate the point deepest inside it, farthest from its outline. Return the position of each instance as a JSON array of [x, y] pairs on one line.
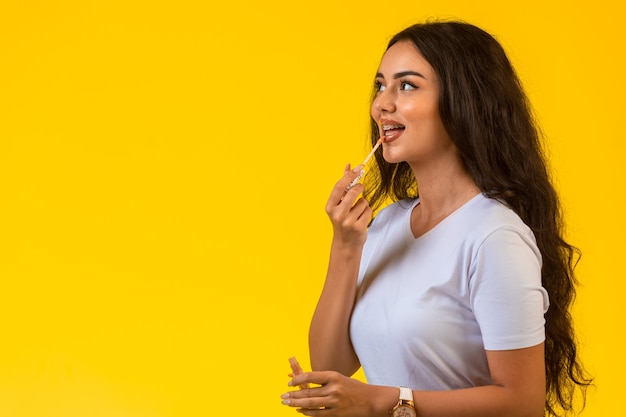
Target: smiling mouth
[[390, 130]]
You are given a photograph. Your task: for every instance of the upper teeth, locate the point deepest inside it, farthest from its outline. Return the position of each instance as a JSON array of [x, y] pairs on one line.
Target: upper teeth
[[389, 127]]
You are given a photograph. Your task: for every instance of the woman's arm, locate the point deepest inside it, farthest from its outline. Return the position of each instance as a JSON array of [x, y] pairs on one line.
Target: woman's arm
[[329, 338], [518, 390]]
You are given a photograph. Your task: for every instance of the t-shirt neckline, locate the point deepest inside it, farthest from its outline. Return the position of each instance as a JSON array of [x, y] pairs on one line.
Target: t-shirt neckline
[[407, 220]]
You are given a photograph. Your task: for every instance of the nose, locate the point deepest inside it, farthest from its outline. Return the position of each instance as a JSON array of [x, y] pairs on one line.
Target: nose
[[384, 103]]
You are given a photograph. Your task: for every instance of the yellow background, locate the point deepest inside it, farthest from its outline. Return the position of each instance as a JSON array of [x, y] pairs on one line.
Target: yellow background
[[163, 173]]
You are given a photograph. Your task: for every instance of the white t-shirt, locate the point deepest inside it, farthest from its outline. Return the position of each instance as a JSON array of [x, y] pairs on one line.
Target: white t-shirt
[[428, 308]]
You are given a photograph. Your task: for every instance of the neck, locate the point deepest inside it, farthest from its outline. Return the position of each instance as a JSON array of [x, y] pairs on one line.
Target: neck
[[444, 185], [442, 191]]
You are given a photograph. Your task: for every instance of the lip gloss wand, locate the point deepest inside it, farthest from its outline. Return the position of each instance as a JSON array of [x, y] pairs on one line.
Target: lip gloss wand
[[367, 158]]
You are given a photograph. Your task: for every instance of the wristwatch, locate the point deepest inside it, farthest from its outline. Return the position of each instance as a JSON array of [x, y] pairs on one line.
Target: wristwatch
[[405, 406]]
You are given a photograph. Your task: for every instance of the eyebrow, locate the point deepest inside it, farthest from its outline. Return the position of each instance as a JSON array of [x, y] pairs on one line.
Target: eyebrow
[[401, 74]]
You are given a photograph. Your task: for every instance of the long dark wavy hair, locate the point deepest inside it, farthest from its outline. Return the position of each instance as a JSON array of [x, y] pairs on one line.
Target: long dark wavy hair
[[488, 117]]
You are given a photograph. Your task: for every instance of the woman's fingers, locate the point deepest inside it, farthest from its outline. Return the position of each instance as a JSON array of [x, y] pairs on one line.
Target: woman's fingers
[[364, 211], [316, 398], [311, 398], [314, 377], [339, 192]]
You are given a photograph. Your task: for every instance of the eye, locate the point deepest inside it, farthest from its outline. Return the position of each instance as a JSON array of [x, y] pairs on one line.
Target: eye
[[407, 86], [379, 87]]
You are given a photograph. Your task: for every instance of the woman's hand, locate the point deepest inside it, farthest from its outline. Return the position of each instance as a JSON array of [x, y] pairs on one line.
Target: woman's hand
[[349, 213], [329, 334], [338, 396]]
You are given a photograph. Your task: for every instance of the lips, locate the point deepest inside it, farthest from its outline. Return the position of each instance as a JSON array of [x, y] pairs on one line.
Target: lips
[[391, 129]]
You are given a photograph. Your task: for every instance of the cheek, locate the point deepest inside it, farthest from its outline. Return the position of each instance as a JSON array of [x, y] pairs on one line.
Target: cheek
[[422, 113], [374, 111], [414, 112]]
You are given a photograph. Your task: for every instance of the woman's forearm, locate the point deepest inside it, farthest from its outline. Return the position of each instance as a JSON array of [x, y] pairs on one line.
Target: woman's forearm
[[485, 401], [329, 338], [343, 396], [518, 389]]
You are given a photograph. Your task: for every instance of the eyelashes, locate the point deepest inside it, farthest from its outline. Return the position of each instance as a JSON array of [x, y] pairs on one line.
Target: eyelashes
[[403, 86]]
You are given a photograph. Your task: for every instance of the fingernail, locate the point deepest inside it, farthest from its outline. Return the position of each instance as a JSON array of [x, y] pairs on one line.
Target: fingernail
[[358, 168], [290, 383], [284, 396], [285, 402]]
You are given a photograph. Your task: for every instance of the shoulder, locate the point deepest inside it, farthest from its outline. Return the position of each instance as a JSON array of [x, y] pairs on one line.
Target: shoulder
[[497, 234], [485, 223], [487, 215], [392, 220], [393, 211]]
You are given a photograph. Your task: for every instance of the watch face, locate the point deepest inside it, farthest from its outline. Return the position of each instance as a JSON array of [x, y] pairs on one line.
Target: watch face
[[404, 411]]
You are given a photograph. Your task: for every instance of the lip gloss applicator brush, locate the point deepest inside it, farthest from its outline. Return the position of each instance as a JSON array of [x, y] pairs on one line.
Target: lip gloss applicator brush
[[367, 158]]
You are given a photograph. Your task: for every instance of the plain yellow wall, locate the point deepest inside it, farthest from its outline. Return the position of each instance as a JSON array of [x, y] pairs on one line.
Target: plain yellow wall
[[163, 173]]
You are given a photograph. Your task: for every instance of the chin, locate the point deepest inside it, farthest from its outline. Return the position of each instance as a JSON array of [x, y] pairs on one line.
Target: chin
[[392, 158]]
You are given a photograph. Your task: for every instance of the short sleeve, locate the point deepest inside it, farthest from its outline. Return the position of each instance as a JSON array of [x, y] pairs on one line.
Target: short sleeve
[[506, 294]]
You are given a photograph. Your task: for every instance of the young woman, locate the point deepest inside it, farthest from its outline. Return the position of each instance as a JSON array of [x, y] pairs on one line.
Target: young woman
[[455, 298]]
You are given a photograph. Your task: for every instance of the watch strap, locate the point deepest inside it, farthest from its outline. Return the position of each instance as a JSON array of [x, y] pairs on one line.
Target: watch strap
[[406, 394]]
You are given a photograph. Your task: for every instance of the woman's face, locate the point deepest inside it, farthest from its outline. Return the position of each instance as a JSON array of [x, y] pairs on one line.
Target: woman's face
[[407, 107]]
